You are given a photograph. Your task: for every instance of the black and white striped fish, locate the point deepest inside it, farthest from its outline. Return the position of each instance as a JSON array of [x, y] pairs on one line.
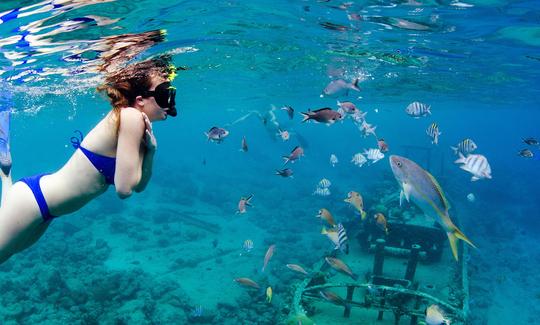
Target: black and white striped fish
[[477, 165], [466, 146], [343, 241], [417, 109], [433, 132]]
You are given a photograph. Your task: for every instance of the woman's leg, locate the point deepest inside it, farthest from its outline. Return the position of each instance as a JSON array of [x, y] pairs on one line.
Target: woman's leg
[[21, 223]]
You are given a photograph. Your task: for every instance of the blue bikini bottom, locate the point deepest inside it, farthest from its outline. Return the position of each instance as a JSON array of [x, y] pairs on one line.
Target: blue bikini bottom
[[33, 183]]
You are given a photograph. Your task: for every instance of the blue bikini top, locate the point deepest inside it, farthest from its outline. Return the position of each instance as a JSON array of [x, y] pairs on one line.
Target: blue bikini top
[[105, 165]]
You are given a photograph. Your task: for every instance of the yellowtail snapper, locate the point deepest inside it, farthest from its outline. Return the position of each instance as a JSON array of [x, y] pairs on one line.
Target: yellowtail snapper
[[421, 186]]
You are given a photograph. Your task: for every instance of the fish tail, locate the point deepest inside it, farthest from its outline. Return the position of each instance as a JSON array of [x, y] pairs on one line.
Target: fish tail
[[305, 117], [455, 149], [355, 84], [286, 160], [363, 214], [354, 276], [453, 235]]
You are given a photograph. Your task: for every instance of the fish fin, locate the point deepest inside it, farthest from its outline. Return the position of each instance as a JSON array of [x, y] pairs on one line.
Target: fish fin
[[455, 149], [354, 276], [323, 231], [429, 110], [461, 159], [474, 178], [453, 235], [305, 116], [400, 197], [355, 84], [363, 214], [407, 191]]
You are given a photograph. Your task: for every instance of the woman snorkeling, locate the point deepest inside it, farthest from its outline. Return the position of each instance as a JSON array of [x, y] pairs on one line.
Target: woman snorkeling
[[119, 150]]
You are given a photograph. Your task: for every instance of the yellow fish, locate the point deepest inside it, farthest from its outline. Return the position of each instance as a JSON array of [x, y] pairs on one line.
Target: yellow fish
[[269, 294], [326, 215], [355, 199]]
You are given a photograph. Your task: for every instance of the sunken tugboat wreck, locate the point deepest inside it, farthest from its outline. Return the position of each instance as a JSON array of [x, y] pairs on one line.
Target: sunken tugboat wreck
[[403, 269]]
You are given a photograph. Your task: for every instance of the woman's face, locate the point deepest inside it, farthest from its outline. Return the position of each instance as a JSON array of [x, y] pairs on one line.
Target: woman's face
[[149, 106]]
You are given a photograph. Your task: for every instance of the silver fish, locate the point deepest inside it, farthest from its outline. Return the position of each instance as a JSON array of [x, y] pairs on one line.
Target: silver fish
[[333, 160], [340, 87], [433, 132], [324, 183], [359, 159], [216, 134], [322, 191], [477, 165], [466, 146], [417, 109], [417, 184], [374, 155], [526, 153]]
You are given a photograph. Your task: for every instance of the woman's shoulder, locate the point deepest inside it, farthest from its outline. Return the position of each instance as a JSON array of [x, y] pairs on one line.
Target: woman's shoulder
[[131, 117]]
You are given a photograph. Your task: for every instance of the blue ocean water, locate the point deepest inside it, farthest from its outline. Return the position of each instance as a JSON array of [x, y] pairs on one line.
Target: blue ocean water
[[170, 254]]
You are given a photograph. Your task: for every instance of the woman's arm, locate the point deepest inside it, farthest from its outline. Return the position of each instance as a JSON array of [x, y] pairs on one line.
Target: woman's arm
[[148, 160], [129, 156]]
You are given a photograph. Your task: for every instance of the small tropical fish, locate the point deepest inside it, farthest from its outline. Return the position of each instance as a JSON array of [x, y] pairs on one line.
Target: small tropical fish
[[287, 172], [356, 200], [247, 282], [531, 141], [333, 298], [322, 115], [343, 239], [296, 153], [359, 160], [326, 215], [297, 268], [435, 316], [284, 134], [197, 311], [248, 245], [324, 183], [374, 155], [268, 256], [338, 237], [340, 87], [216, 134], [380, 220], [471, 198], [289, 110], [333, 160], [269, 294], [243, 203], [477, 165], [417, 183], [433, 132], [347, 107], [322, 191], [244, 145], [466, 146], [417, 109], [367, 129], [383, 147], [339, 265], [525, 153]]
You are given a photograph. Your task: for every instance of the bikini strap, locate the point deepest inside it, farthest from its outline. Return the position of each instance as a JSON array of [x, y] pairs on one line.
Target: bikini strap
[[76, 141]]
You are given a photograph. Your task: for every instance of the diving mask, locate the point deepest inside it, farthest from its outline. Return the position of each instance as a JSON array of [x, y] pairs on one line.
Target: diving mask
[[165, 96]]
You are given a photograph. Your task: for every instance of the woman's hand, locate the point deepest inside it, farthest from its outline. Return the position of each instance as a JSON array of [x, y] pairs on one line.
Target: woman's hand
[[149, 138]]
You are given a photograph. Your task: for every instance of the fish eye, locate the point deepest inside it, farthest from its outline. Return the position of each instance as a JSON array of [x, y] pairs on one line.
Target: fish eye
[[399, 164]]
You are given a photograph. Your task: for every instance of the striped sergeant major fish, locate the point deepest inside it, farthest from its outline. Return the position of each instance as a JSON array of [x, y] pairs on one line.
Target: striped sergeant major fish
[[343, 240], [433, 132], [466, 146], [338, 236], [477, 165], [417, 109]]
